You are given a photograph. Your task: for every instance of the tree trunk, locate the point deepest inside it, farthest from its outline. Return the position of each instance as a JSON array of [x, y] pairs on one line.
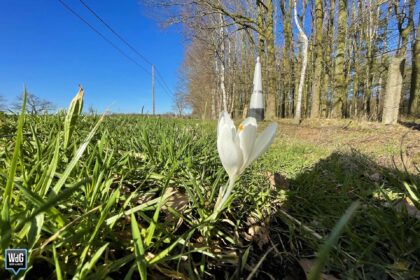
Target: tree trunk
[[371, 34], [308, 84], [271, 63], [287, 58], [414, 102], [213, 105], [316, 89], [355, 93], [396, 69], [304, 39], [222, 62], [339, 96], [378, 100], [298, 70], [327, 81], [393, 90]]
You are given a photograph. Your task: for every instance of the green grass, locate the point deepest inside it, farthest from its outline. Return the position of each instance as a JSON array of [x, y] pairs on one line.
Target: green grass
[[129, 197]]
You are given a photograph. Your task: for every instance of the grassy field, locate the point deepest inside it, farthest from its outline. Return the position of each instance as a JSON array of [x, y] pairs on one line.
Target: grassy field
[[129, 197]]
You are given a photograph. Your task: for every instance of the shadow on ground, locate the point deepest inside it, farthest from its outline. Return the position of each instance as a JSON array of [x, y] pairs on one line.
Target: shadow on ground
[[381, 242], [412, 125]]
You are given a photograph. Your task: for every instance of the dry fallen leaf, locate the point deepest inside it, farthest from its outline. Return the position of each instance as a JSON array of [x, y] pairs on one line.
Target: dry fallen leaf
[[307, 265], [170, 273], [411, 208], [178, 200], [276, 180], [225, 254], [376, 177], [408, 205], [145, 198], [257, 232], [401, 265]]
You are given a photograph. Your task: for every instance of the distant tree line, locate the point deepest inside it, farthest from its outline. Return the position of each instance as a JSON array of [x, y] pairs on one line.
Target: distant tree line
[[362, 57]]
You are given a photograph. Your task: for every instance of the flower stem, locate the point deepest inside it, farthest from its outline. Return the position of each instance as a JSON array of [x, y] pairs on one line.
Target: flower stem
[[224, 195]]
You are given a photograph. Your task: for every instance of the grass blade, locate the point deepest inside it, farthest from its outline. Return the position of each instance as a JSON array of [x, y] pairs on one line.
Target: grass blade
[[138, 248], [7, 195], [57, 265], [90, 264], [76, 157], [73, 113], [315, 273]]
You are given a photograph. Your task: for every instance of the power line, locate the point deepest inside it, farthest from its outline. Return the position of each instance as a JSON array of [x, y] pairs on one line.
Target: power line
[[165, 86], [72, 11], [161, 78], [114, 32], [103, 36]]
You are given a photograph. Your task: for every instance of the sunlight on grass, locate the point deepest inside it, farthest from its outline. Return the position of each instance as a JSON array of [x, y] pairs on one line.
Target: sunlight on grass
[[131, 196]]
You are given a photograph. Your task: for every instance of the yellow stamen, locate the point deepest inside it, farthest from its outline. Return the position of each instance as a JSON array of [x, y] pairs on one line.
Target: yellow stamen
[[241, 128]]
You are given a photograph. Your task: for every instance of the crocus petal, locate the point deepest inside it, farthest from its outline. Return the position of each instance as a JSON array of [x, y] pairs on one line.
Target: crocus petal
[[224, 119], [228, 146], [263, 141], [247, 132]]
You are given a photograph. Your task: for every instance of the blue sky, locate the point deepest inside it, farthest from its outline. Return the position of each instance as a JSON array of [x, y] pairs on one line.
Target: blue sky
[[51, 51]]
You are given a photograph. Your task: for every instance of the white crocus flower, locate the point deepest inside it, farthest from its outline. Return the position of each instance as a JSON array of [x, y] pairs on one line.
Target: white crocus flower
[[238, 148]]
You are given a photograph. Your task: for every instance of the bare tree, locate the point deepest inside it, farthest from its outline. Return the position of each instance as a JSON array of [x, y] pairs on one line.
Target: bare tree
[[34, 105], [180, 102], [348, 56]]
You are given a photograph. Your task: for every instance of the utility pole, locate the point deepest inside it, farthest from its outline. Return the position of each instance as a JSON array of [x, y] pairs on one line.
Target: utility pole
[[153, 88]]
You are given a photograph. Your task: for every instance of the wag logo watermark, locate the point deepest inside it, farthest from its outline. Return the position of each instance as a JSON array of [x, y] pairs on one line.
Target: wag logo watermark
[[16, 260]]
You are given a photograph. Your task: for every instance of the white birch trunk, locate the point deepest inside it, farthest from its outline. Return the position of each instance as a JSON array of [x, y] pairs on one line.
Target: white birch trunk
[[213, 104], [222, 64], [304, 39]]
